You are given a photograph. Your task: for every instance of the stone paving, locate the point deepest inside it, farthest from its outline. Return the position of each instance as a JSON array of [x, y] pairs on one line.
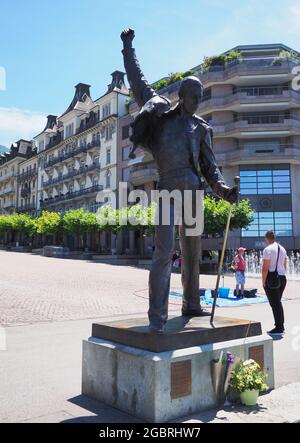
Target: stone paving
[[41, 289]]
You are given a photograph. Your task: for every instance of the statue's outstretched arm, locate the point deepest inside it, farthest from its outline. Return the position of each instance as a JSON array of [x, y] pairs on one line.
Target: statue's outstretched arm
[[211, 172], [141, 89]]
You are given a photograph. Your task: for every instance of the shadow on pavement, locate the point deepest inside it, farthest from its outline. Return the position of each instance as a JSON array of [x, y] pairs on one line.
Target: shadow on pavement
[[101, 412]]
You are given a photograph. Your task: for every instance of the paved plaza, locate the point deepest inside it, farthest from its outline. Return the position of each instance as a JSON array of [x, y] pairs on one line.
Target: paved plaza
[[47, 306]]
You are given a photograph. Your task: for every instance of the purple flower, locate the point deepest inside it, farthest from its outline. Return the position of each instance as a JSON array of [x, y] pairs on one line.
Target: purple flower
[[230, 358]]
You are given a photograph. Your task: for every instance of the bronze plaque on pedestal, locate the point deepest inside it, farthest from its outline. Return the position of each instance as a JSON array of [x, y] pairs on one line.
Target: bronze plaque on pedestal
[[181, 379], [257, 354]]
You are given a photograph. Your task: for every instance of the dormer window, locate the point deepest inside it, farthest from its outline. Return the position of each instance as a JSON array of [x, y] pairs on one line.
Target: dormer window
[[69, 130], [106, 110]]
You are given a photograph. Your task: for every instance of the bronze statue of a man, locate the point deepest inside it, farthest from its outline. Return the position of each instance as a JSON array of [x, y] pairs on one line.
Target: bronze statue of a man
[[181, 144]]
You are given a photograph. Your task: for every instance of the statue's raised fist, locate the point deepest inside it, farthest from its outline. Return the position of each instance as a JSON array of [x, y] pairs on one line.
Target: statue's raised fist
[[127, 35]]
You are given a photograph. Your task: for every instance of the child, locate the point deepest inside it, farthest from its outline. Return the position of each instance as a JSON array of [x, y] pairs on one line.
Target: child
[[239, 265]]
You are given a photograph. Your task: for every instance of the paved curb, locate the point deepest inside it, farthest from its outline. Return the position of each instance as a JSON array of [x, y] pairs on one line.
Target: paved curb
[[281, 405]]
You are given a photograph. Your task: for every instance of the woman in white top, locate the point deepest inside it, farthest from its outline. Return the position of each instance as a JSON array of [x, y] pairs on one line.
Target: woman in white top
[[274, 259]]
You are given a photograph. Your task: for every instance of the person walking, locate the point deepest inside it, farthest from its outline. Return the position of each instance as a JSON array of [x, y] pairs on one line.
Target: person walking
[[239, 264], [274, 279]]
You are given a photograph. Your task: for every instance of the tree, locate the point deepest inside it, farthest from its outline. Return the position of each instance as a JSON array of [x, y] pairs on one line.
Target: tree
[[18, 224], [80, 222], [49, 223], [216, 214]]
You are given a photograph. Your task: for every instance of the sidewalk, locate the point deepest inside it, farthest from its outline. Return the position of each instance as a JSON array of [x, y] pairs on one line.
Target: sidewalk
[[279, 406]]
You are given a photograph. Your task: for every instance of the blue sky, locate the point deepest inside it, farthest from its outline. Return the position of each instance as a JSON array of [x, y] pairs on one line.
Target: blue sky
[[48, 47]]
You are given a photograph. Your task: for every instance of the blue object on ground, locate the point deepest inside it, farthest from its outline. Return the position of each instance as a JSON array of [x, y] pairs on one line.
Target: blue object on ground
[[231, 301], [224, 292]]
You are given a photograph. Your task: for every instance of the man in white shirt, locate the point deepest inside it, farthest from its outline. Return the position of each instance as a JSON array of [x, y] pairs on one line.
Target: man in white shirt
[[274, 258]]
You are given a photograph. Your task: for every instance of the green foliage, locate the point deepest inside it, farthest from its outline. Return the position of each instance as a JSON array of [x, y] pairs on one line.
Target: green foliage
[[248, 376], [232, 55], [107, 218], [219, 60], [18, 223], [129, 218], [136, 217], [216, 214], [4, 223], [49, 223], [173, 77], [285, 56], [79, 221]]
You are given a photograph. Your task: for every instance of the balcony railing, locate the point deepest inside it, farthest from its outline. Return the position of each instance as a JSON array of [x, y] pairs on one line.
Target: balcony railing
[[26, 208], [10, 190], [25, 192], [72, 153], [7, 176], [256, 151], [54, 141], [257, 122], [9, 205], [27, 174], [252, 95], [73, 173], [248, 67], [70, 195], [143, 173]]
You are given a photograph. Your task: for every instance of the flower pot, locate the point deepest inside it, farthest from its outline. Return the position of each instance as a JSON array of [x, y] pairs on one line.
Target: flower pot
[[249, 397]]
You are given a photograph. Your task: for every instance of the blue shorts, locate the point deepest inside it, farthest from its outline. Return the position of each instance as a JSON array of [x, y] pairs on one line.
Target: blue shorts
[[240, 277]]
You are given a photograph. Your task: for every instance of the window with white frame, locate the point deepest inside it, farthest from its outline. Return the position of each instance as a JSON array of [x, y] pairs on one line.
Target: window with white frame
[[108, 156], [108, 179], [108, 133], [69, 130], [106, 110]]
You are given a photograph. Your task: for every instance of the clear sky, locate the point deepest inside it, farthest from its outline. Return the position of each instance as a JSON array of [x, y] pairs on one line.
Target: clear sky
[[46, 47]]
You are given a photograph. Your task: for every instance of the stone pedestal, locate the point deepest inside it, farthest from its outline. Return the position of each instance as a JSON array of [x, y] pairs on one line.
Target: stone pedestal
[[158, 386]]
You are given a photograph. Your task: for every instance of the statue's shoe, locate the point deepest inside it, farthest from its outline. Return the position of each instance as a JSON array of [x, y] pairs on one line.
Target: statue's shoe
[[156, 330], [195, 313]]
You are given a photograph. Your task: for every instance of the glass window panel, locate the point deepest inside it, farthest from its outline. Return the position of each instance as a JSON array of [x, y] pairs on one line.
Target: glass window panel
[[264, 180], [250, 233], [265, 223], [264, 185], [262, 218], [282, 191], [248, 179], [283, 214], [265, 214], [248, 185], [281, 178], [282, 185], [281, 172], [266, 226], [286, 233], [282, 222], [248, 173], [283, 227], [259, 173], [283, 217], [265, 191], [248, 191]]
